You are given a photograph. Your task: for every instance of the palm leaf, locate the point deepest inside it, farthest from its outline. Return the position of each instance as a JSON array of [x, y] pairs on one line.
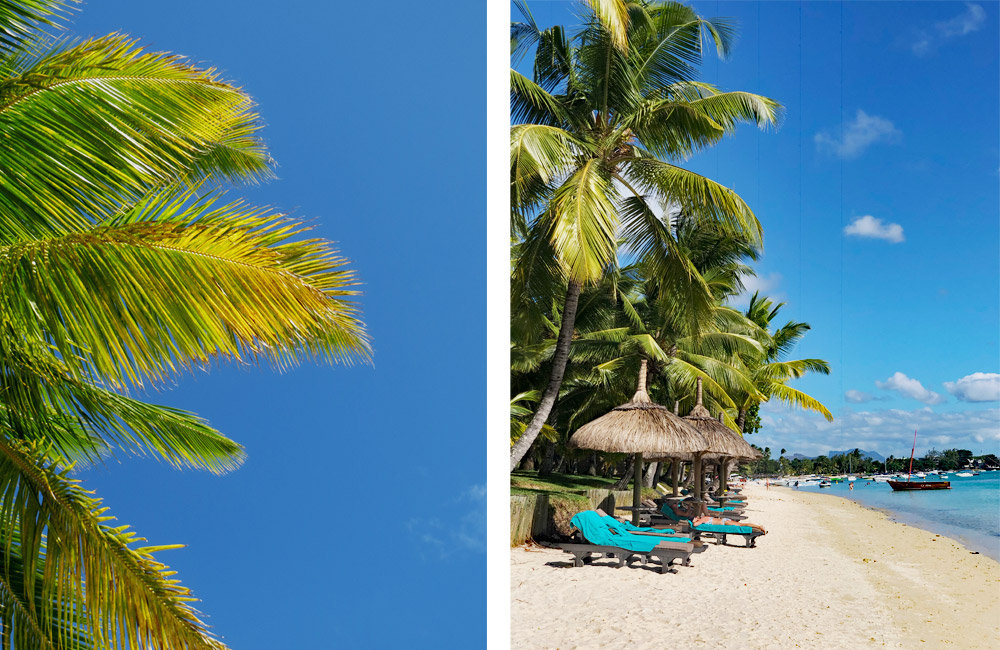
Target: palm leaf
[[613, 16], [175, 283], [87, 127], [794, 397], [93, 578], [582, 222]]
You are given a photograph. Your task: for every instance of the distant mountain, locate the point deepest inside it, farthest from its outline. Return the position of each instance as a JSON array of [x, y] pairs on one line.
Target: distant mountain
[[874, 455]]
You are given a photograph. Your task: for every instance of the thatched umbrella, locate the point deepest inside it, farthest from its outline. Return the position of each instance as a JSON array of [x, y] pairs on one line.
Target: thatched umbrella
[[724, 443], [640, 427]]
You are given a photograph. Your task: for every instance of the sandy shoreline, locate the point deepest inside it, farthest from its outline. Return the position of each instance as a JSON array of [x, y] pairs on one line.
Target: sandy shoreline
[[830, 573]]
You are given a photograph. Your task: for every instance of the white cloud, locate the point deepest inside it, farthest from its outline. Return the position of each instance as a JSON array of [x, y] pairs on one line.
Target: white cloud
[[970, 20], [887, 431], [857, 396], [911, 388], [977, 387], [463, 531], [873, 228], [857, 136]]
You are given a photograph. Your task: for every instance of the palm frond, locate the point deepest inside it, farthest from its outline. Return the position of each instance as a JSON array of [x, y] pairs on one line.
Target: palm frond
[[94, 579], [613, 16], [582, 222], [177, 282], [530, 103], [23, 23], [88, 127], [697, 195], [793, 397]]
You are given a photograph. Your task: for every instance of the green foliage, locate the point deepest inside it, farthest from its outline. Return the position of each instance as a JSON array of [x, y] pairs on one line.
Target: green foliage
[[751, 422], [122, 265]]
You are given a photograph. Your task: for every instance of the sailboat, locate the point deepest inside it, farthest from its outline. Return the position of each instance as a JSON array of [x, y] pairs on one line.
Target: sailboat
[[917, 485]]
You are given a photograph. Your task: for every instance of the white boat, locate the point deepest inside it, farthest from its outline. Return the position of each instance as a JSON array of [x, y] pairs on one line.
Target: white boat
[[920, 475], [964, 474], [944, 476], [881, 478], [852, 478]]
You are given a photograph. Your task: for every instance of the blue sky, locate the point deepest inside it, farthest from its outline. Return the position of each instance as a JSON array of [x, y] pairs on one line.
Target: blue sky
[[358, 519], [879, 198]]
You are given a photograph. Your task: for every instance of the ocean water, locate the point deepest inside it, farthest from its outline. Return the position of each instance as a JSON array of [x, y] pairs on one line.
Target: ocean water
[[968, 512]]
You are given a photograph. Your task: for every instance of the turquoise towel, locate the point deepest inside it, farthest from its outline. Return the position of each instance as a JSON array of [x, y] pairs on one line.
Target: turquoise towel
[[630, 527], [626, 527], [721, 528], [596, 531]]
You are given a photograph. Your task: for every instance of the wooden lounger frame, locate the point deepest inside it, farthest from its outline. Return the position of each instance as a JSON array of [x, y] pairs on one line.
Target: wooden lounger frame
[[582, 555]]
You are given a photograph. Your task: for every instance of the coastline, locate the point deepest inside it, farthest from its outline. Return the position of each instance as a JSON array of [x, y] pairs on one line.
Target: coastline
[[830, 573], [972, 540]]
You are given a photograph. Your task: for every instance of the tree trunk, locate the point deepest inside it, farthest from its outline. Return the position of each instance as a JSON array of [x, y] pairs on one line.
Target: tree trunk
[[549, 460], [699, 482], [637, 490], [626, 476], [649, 480], [528, 463], [741, 418], [559, 362], [561, 465], [675, 473], [592, 465]]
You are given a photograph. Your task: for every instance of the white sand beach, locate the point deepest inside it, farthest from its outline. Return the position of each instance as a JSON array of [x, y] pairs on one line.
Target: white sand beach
[[829, 574]]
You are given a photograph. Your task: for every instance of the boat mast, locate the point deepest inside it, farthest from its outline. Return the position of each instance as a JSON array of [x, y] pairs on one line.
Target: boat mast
[[911, 454]]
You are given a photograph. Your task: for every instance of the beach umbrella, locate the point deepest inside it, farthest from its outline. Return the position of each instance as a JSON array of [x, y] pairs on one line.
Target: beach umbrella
[[640, 427], [724, 443]]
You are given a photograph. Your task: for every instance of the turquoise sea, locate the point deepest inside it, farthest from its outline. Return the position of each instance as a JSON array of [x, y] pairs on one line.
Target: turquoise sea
[[968, 512]]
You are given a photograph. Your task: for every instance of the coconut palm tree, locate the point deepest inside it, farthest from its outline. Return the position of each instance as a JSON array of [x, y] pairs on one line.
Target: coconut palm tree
[[598, 131], [771, 372], [122, 264]]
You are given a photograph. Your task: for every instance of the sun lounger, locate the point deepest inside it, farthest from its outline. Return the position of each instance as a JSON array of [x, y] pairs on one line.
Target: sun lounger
[[720, 528], [604, 537], [673, 516], [726, 511]]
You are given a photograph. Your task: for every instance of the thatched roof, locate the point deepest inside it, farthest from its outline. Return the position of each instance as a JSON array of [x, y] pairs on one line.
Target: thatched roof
[[640, 426], [722, 441]]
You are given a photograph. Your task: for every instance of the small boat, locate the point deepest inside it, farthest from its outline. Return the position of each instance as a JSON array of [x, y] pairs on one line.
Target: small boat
[[919, 485], [881, 478], [920, 475], [852, 478], [943, 476], [964, 474], [823, 484], [909, 485]]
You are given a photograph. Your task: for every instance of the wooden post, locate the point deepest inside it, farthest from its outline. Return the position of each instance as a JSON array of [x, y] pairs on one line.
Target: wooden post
[[637, 489], [699, 479], [675, 474]]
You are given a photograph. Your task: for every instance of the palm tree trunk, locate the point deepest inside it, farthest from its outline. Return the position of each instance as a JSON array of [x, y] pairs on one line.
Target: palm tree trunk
[[626, 475], [559, 362], [549, 460], [649, 480], [741, 418]]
